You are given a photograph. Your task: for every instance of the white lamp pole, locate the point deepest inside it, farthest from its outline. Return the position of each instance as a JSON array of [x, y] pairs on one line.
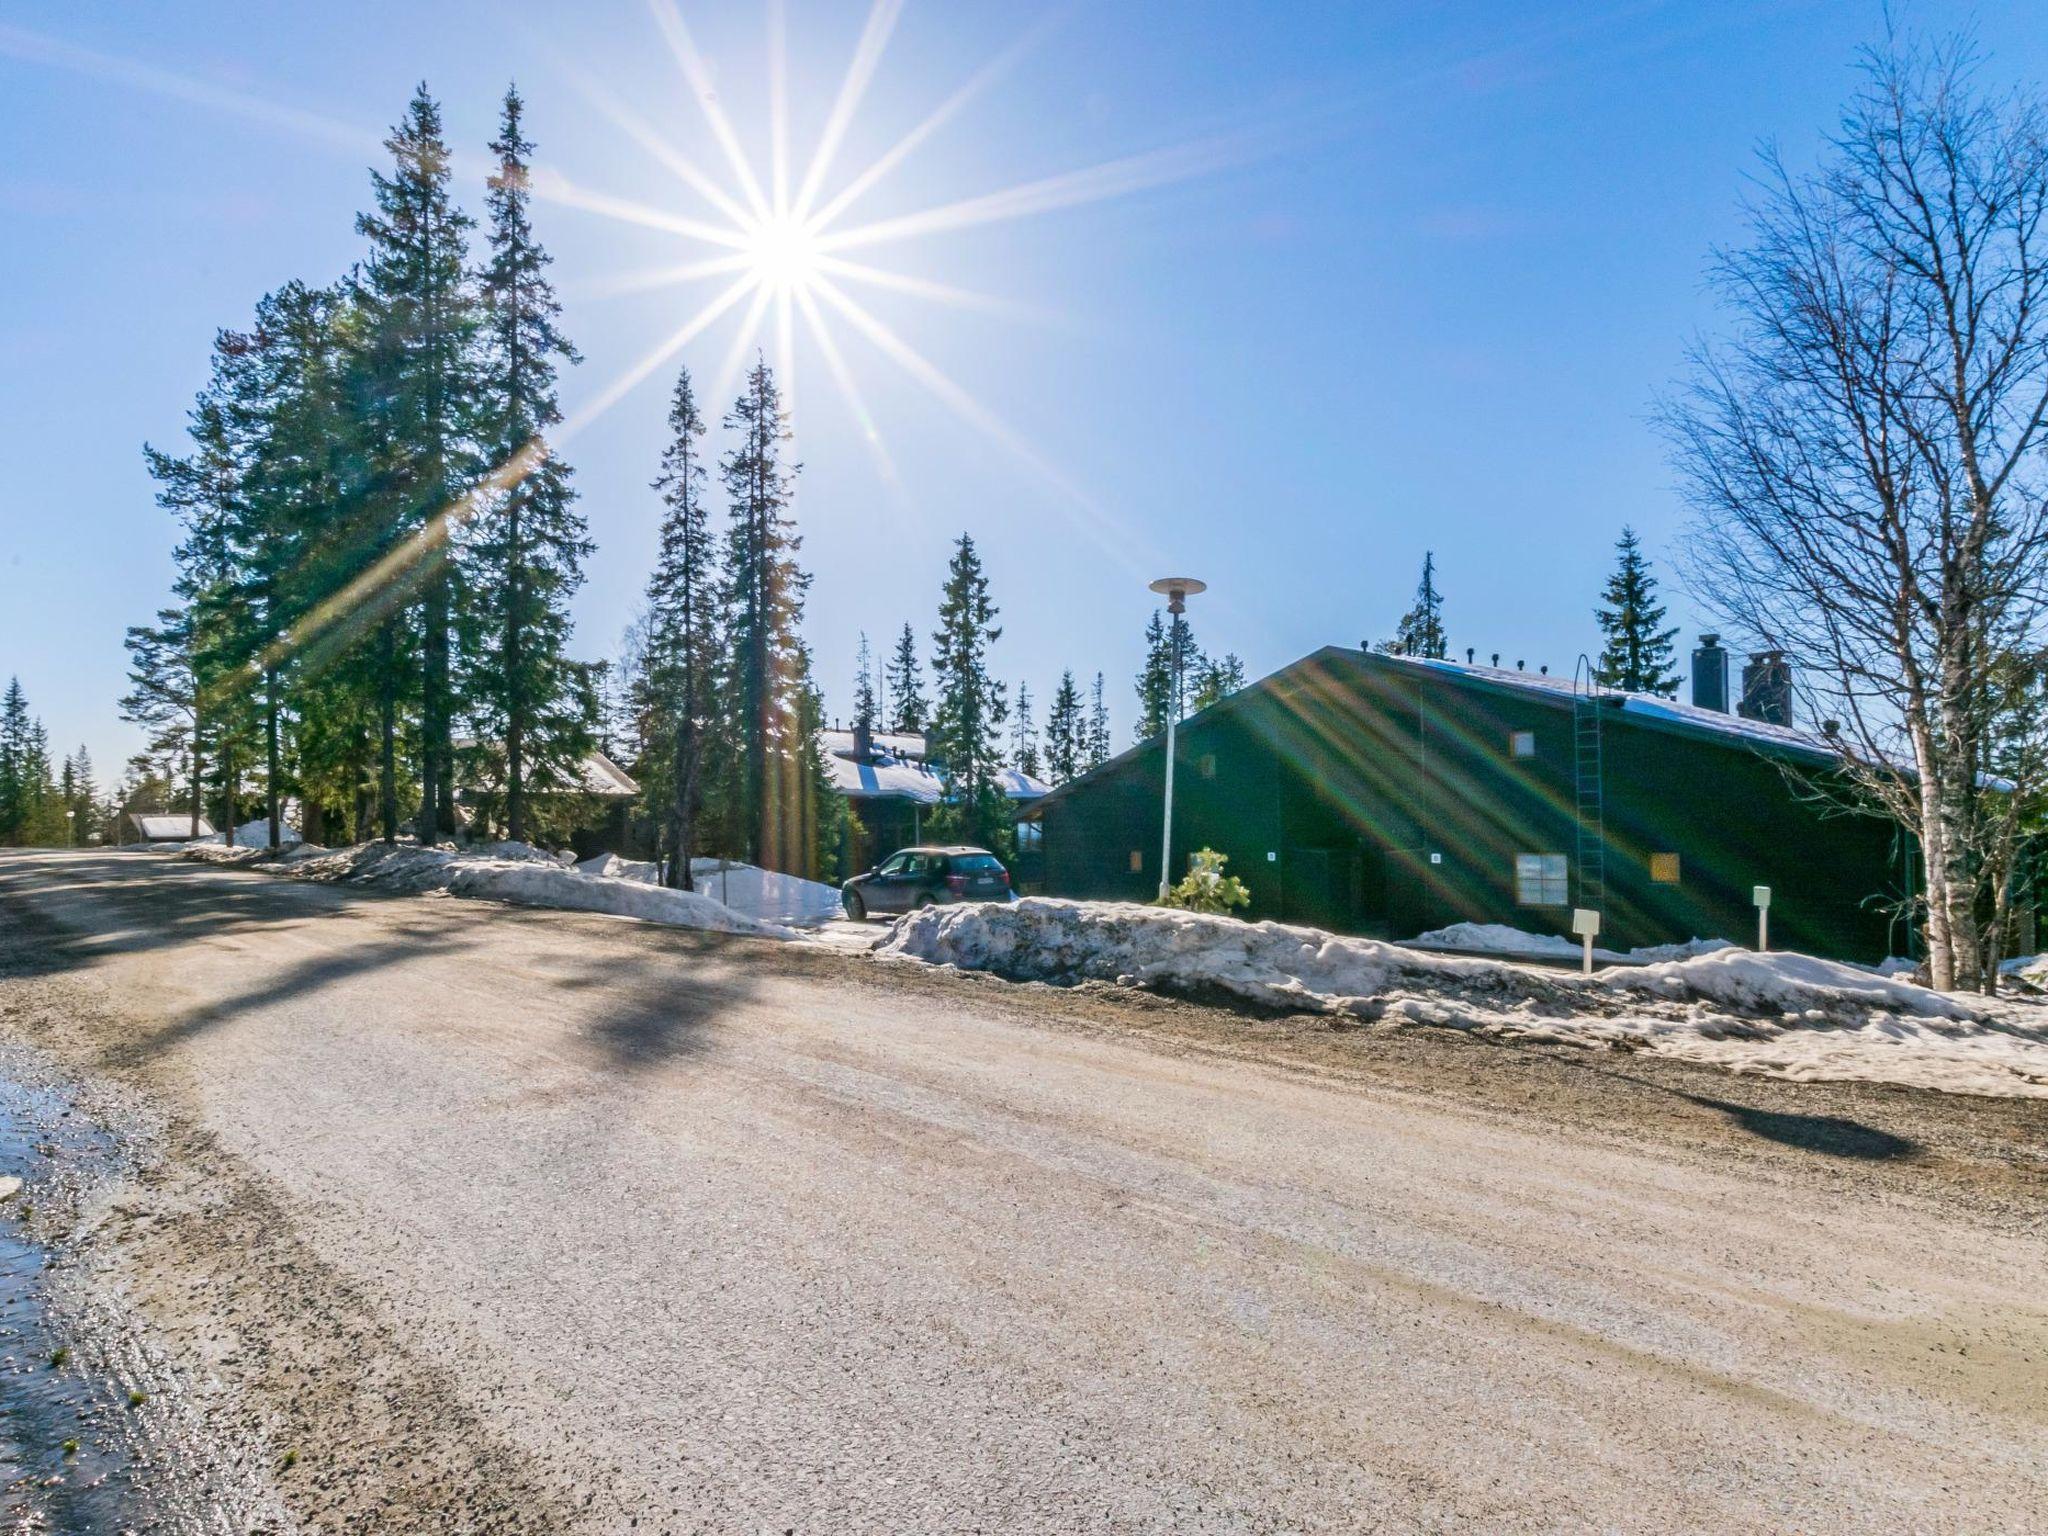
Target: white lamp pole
[[1176, 590]]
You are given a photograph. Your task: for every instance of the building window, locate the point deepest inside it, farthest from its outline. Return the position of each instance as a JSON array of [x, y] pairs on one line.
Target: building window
[[1206, 765], [1542, 880], [1521, 743], [1664, 868], [1137, 861]]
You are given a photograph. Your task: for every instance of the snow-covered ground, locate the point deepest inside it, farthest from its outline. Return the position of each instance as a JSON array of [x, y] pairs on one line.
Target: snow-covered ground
[[743, 887], [1785, 1015]]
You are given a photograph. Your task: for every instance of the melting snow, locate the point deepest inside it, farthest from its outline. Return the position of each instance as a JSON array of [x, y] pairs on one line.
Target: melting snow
[[1785, 1015]]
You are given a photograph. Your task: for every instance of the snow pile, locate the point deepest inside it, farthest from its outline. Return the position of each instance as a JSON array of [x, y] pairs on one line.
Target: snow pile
[[1743, 982], [1500, 939], [511, 872], [536, 885], [256, 834], [611, 867], [1783, 1015], [764, 894], [743, 887], [1039, 938]]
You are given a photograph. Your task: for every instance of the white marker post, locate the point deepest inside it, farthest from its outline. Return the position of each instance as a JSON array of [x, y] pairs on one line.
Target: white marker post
[[1761, 895], [1586, 924]]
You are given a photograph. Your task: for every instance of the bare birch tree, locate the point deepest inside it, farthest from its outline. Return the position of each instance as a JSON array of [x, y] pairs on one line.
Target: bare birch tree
[[1864, 454]]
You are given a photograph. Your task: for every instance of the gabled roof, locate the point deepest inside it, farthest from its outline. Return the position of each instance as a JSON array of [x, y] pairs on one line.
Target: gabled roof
[[897, 770], [1648, 710], [173, 828]]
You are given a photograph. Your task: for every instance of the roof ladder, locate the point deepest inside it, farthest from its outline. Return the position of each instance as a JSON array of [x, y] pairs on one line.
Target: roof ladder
[[1588, 778]]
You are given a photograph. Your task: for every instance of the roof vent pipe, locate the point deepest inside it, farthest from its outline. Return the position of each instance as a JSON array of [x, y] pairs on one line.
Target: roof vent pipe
[[1710, 675]]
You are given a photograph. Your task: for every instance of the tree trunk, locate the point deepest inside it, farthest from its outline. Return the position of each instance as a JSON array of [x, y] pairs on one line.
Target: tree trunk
[[387, 730], [433, 713], [270, 755]]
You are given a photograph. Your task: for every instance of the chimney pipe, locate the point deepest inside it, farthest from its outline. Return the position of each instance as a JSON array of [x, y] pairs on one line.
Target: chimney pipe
[[1767, 688], [1710, 675]]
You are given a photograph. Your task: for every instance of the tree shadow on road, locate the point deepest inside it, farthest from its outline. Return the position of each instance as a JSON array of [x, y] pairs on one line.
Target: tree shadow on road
[[1829, 1135]]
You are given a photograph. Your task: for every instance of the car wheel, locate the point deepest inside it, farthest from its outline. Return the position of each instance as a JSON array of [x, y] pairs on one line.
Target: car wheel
[[926, 902], [855, 907]]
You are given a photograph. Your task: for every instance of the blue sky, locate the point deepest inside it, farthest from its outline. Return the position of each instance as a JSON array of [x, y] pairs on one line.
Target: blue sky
[[1384, 278]]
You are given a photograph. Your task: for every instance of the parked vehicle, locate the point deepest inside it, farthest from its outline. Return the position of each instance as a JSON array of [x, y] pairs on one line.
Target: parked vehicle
[[926, 877]]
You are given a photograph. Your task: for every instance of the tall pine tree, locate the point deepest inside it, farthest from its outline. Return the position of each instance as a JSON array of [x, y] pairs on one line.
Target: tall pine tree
[[906, 684], [766, 668], [419, 384], [968, 716], [1156, 679], [1638, 655], [1216, 680], [1098, 726], [865, 707], [1421, 630], [1023, 734], [525, 555], [1066, 732], [683, 643]]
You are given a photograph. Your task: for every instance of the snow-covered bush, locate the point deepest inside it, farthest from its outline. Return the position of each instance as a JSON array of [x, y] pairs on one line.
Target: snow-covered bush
[[1206, 888]]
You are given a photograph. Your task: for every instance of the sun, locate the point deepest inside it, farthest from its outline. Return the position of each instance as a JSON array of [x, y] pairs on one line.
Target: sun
[[783, 254]]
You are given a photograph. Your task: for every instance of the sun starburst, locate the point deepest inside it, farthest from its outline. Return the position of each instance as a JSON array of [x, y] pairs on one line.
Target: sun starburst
[[779, 242]]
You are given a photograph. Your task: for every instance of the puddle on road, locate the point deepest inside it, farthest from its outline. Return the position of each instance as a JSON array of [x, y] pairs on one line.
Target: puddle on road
[[77, 1454]]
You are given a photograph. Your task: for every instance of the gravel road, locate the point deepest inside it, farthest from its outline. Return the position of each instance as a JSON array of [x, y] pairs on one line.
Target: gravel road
[[519, 1221]]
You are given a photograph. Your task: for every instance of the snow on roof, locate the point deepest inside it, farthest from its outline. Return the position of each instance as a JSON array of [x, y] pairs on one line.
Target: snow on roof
[[605, 778], [1647, 707], [170, 829], [898, 771]]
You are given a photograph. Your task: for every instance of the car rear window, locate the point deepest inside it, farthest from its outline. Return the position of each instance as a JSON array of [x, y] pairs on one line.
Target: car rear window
[[976, 864]]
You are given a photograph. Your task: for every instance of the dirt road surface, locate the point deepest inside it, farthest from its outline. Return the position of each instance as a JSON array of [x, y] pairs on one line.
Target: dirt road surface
[[485, 1219]]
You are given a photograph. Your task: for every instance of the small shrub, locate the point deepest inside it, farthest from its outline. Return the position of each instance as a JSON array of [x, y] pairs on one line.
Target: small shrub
[[1205, 888], [58, 1356]]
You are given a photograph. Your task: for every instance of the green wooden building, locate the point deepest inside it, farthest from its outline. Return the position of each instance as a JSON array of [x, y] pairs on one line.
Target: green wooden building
[[1387, 795]]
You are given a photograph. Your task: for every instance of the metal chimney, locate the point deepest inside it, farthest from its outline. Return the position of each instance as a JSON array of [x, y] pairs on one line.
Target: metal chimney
[[1767, 688], [1710, 675]]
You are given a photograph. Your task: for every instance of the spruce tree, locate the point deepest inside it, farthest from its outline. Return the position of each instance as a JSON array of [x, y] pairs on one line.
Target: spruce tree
[[1066, 732], [970, 709], [683, 643], [865, 708], [906, 684], [16, 741], [1156, 678], [163, 698], [1421, 630], [419, 382], [1023, 734], [1217, 680], [1638, 655], [527, 547], [1098, 727], [765, 668]]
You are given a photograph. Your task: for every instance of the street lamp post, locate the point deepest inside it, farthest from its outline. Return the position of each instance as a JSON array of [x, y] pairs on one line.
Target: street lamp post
[[1176, 590]]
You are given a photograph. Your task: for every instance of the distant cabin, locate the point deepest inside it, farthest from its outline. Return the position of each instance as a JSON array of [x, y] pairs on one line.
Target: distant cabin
[[894, 786], [167, 827], [1387, 795]]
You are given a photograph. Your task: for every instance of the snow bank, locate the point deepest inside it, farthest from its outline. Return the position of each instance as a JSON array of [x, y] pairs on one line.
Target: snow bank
[[256, 834], [1500, 939], [1039, 938], [764, 894], [743, 887], [1783, 1015], [511, 872], [1748, 983], [537, 885]]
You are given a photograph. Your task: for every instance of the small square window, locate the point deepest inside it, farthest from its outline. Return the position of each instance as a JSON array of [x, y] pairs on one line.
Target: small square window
[[1206, 766], [1137, 861], [1521, 743], [1664, 868], [1542, 880]]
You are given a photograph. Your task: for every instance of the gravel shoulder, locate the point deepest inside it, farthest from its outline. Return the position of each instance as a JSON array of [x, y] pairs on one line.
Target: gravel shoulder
[[519, 1221]]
